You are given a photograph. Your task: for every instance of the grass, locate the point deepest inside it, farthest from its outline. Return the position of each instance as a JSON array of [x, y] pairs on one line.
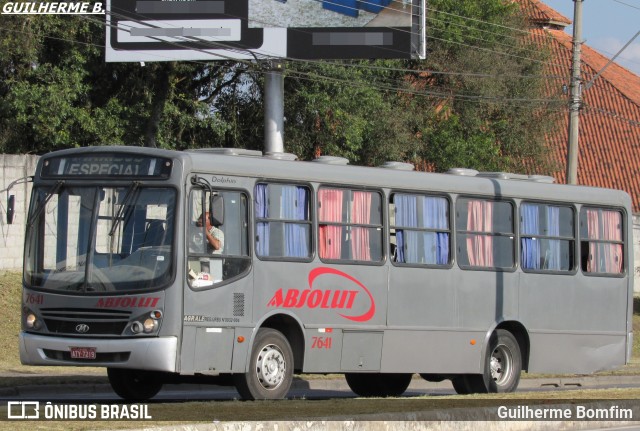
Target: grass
[[10, 301]]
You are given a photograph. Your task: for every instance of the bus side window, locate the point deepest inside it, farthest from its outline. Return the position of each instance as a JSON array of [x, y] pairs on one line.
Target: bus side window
[[601, 241], [420, 228], [349, 225], [208, 266], [485, 233], [547, 237], [283, 221]]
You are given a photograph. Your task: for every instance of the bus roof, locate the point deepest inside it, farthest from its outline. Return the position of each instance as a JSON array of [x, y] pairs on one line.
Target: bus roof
[[336, 171]]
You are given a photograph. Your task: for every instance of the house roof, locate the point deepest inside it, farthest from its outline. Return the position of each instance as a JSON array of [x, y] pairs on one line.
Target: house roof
[[609, 125], [539, 13]]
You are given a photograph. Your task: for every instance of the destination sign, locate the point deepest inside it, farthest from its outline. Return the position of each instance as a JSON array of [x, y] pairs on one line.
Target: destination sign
[[107, 166]]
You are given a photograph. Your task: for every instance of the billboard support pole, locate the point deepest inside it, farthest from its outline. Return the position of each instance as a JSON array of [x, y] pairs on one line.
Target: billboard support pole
[[423, 30], [274, 109]]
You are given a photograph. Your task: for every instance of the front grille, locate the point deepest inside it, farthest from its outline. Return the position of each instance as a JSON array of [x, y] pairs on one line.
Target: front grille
[[95, 328], [85, 321], [60, 355]]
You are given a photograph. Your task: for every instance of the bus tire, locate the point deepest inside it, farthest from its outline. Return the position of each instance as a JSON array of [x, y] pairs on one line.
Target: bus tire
[[134, 385], [270, 368], [433, 378], [378, 385], [503, 365], [461, 384]]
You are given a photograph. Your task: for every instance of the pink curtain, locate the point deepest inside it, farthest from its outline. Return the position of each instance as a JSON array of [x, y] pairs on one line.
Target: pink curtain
[[361, 214], [593, 233], [330, 210], [480, 219], [604, 257]]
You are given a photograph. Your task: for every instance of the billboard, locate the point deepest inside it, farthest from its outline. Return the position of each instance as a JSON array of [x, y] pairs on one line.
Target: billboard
[[167, 30]]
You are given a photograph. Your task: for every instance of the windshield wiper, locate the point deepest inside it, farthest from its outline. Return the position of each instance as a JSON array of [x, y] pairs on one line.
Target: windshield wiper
[[52, 191], [118, 217]]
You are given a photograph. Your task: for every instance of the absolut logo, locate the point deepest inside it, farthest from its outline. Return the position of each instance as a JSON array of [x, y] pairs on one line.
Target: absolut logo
[[336, 299]]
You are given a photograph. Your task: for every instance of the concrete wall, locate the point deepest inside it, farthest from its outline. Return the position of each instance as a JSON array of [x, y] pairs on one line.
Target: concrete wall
[[12, 236]]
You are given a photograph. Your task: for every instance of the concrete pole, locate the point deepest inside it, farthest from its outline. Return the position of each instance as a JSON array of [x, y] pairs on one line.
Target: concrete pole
[[274, 110], [576, 96]]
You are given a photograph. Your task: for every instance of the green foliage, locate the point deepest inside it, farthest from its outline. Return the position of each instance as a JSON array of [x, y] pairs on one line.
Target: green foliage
[[346, 111], [57, 92]]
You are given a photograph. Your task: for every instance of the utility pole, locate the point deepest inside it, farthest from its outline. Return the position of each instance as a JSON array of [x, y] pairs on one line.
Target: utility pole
[[576, 96]]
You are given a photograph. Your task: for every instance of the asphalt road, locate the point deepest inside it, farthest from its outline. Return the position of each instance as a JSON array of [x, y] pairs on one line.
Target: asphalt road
[[314, 389]]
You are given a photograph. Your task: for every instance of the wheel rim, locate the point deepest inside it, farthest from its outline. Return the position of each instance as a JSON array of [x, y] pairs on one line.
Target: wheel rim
[[501, 365], [271, 367]]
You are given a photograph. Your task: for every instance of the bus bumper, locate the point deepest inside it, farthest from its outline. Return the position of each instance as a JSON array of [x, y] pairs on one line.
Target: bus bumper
[[153, 354]]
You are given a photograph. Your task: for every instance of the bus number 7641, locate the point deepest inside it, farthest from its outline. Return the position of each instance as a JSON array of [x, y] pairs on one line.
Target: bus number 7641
[[321, 343]]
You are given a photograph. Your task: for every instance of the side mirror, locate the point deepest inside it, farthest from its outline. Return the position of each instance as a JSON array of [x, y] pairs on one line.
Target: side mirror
[[216, 210], [11, 208]]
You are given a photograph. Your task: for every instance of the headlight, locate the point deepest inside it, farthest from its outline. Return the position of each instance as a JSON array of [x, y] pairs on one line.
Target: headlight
[[147, 323], [136, 327], [31, 321], [150, 325]]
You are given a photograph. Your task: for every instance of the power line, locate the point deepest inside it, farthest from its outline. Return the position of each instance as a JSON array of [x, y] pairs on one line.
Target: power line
[[611, 114], [494, 51], [459, 96], [479, 20], [393, 87], [627, 4], [494, 42]]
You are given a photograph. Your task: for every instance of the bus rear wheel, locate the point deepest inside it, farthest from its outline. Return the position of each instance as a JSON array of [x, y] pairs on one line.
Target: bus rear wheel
[[502, 367], [270, 368], [134, 385], [378, 385]]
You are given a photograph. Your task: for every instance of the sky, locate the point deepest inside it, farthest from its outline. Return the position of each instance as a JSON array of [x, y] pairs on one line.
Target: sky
[[607, 25]]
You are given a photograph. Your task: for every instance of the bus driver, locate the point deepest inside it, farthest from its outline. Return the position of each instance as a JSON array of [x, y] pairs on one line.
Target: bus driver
[[215, 236]]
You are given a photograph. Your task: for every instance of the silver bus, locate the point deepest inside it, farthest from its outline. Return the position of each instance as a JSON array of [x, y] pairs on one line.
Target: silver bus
[[225, 265]]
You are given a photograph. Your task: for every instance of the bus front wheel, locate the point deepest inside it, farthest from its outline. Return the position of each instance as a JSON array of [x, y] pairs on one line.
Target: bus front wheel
[[134, 385], [270, 368]]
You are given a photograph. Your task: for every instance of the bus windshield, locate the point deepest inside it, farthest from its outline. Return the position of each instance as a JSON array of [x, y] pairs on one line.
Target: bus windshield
[[100, 239]]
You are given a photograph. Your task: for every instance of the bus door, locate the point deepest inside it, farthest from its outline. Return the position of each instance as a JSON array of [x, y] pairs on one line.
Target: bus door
[[218, 288]]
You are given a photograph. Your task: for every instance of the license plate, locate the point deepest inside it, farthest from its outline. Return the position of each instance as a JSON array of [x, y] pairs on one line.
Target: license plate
[[83, 353]]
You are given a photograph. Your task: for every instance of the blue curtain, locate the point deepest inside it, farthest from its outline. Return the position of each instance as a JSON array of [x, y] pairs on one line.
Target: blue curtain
[[406, 216], [552, 258], [530, 225], [294, 206], [422, 247], [436, 245], [262, 211]]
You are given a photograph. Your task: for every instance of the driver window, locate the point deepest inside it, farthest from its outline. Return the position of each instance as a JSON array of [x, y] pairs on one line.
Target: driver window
[[217, 243]]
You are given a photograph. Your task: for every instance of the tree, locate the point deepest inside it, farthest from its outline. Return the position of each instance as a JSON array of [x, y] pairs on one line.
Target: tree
[[56, 92], [476, 101]]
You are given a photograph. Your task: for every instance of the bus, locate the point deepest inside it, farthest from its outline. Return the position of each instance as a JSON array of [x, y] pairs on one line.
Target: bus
[[228, 265]]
